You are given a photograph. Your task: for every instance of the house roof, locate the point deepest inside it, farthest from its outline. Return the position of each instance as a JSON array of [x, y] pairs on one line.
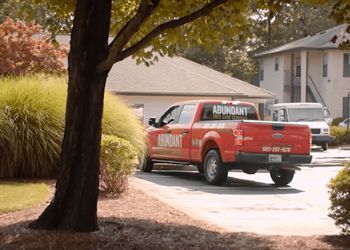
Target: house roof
[[175, 76], [328, 39]]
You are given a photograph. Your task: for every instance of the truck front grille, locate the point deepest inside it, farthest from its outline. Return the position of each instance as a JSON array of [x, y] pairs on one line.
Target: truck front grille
[[315, 131]]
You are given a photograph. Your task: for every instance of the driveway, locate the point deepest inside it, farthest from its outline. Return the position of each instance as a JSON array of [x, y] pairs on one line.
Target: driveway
[[251, 202]]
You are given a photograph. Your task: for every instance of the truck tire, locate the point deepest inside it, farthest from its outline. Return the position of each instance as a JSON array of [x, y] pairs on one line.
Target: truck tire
[[215, 172], [282, 177], [324, 146], [145, 163], [200, 168]]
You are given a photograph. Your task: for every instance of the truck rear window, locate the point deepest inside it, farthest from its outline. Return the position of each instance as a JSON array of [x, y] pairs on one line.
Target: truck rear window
[[228, 112]]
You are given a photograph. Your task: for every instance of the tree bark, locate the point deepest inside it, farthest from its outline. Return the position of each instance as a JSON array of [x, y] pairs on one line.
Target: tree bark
[[74, 206]]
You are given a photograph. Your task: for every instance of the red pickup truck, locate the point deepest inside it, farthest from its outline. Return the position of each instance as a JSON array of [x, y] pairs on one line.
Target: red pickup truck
[[217, 136]]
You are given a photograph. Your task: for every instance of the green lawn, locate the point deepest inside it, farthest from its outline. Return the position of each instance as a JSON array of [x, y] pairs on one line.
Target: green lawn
[[20, 195]]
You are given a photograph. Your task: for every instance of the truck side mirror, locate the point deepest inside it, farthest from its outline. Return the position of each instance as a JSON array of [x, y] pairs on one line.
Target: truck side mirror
[[152, 121], [328, 120], [165, 122], [325, 112]]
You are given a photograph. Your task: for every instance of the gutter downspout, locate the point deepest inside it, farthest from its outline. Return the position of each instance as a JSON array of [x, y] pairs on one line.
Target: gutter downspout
[[304, 73], [292, 92]]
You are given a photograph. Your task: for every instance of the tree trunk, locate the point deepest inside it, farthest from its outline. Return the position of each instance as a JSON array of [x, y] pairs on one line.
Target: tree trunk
[[74, 206]]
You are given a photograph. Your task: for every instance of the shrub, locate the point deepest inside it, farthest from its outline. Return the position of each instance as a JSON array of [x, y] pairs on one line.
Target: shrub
[[119, 120], [32, 122], [336, 121], [25, 49], [339, 190], [117, 163], [340, 136]]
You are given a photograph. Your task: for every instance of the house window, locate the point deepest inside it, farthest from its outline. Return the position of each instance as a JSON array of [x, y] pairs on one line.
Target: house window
[[276, 64], [298, 71], [346, 65], [325, 66], [298, 67], [261, 71]]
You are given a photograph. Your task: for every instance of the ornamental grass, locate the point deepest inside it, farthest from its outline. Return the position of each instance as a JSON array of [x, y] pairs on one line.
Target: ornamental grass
[[32, 111]]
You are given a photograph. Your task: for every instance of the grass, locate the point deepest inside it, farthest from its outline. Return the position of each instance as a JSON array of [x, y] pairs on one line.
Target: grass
[[20, 195]]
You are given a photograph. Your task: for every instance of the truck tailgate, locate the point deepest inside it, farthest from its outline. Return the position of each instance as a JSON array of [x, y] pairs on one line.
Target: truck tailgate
[[275, 137]]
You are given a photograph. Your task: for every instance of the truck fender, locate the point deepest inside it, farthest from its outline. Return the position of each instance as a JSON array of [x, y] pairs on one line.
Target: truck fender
[[210, 140]]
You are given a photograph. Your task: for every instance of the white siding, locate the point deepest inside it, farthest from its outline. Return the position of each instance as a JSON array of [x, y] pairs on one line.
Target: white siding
[[332, 88], [315, 71], [287, 64], [273, 80], [155, 106], [339, 85]]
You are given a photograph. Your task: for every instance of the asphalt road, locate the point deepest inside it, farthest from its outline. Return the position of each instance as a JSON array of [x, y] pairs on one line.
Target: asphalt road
[[251, 203]]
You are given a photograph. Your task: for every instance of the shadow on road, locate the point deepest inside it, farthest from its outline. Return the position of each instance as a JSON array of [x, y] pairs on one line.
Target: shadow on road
[[194, 181]]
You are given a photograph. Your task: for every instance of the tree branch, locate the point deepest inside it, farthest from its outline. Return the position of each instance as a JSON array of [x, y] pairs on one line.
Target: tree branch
[[205, 10], [144, 10]]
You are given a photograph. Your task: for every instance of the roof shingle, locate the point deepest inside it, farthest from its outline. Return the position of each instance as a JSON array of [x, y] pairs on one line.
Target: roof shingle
[[174, 76], [177, 76], [322, 40]]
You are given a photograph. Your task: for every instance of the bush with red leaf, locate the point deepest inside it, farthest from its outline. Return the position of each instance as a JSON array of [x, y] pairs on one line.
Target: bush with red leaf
[[26, 49]]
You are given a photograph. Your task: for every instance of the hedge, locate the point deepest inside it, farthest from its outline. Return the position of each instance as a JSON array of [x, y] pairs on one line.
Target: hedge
[[339, 191]]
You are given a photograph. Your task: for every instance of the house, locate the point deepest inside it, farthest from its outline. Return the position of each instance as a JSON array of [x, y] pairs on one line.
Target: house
[[312, 69], [151, 90], [173, 80]]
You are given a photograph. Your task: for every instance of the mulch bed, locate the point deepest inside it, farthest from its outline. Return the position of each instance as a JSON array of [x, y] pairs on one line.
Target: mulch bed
[[136, 220]]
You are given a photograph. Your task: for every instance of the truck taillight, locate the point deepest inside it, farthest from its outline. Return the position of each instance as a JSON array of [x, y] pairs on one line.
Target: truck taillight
[[238, 137]]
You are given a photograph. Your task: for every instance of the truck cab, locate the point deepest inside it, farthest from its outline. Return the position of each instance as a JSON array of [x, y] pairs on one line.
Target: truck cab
[[311, 114]]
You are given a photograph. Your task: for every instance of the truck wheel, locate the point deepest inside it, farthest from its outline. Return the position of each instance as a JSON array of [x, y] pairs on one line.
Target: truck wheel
[[145, 163], [282, 177], [215, 171], [324, 146]]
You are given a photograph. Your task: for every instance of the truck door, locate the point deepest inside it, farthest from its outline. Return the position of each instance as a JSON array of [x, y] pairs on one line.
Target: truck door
[[183, 129], [172, 137], [164, 143]]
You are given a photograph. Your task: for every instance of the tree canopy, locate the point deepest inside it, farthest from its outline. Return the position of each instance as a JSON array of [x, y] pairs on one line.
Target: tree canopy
[[267, 28], [166, 26], [219, 48], [53, 18]]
